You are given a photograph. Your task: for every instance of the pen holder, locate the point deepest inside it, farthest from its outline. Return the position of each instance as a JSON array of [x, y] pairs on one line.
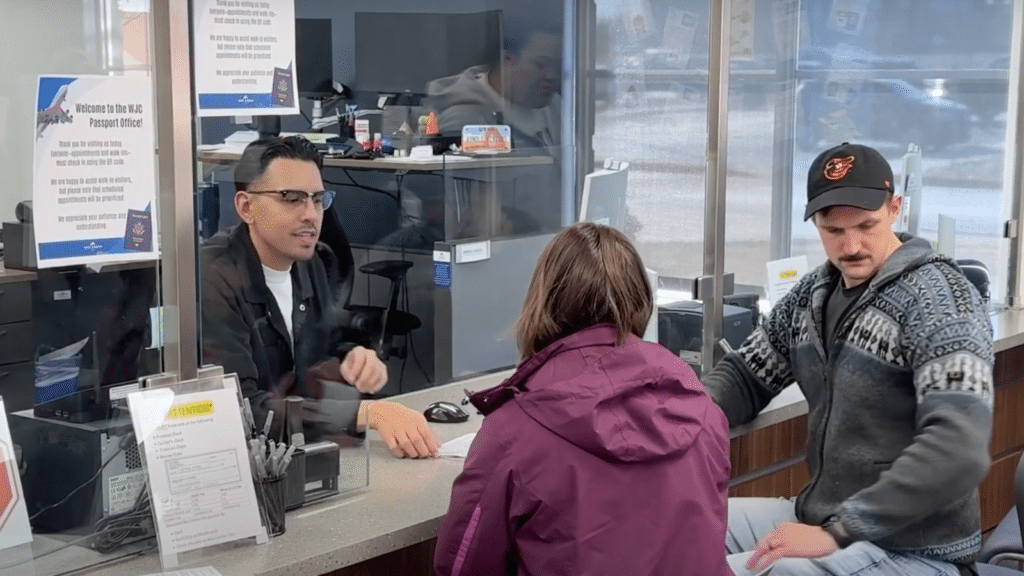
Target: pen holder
[[272, 492]]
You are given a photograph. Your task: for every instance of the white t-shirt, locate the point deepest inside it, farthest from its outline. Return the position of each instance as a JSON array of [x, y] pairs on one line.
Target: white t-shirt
[[280, 284]]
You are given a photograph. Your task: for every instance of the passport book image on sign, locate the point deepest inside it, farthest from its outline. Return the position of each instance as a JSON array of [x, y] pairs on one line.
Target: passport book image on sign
[[138, 234], [282, 92]]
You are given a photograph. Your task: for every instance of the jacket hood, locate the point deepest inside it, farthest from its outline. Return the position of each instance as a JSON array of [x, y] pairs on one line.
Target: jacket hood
[[463, 89], [635, 402]]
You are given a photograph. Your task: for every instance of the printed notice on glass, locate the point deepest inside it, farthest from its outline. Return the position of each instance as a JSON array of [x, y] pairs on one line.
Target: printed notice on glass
[[245, 57], [94, 178], [783, 275], [14, 526], [198, 467]]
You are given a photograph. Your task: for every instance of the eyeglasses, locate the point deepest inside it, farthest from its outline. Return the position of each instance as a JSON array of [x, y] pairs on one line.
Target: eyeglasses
[[293, 198]]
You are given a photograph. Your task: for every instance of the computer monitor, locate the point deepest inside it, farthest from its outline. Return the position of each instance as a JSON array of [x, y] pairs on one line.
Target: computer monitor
[[314, 60], [441, 45], [604, 195]]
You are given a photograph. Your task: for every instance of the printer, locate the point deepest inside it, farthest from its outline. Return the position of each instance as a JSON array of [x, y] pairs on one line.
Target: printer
[[680, 327]]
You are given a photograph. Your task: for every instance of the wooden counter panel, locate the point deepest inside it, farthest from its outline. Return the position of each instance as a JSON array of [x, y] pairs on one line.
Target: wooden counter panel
[[1009, 367], [767, 446], [784, 483], [1007, 415], [997, 491], [415, 560]]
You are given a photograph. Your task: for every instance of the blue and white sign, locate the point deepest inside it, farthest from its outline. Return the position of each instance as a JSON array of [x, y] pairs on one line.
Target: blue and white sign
[[94, 179], [245, 57]]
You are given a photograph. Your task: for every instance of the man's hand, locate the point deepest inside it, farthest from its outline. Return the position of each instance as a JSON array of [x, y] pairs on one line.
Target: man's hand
[[792, 540], [364, 370], [404, 430]]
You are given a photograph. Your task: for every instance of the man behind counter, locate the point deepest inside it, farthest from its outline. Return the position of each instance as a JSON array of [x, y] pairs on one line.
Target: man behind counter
[[272, 311]]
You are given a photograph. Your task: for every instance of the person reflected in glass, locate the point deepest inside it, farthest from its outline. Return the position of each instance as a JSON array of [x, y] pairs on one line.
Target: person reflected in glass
[[520, 89], [272, 308], [602, 453]]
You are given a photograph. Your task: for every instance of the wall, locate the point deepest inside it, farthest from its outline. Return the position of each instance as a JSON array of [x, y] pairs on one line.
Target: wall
[[343, 16], [27, 28]]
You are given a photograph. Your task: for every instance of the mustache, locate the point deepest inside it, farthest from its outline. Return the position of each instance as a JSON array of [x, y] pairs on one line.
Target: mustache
[[854, 258]]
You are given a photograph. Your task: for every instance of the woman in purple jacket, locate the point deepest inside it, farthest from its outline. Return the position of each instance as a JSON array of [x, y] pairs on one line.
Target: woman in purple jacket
[[602, 454]]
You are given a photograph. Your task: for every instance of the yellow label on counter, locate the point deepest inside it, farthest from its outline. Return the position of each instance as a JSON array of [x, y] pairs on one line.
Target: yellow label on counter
[[191, 410]]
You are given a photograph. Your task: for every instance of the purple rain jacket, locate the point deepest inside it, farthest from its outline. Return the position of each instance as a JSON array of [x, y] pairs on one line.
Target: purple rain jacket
[[592, 459]]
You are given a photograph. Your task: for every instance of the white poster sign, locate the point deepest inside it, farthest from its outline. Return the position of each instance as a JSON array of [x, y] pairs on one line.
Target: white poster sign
[[741, 30], [245, 57], [197, 461], [783, 275], [14, 526], [677, 36], [94, 178]]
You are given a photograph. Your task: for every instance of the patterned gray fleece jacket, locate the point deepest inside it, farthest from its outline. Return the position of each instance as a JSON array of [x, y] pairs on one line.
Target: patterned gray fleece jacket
[[900, 411]]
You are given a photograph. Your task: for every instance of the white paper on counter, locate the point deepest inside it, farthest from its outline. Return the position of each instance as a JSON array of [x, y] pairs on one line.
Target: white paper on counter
[[457, 448], [783, 275], [198, 468]]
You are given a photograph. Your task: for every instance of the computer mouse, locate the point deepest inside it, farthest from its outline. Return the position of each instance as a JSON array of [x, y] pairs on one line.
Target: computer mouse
[[445, 412]]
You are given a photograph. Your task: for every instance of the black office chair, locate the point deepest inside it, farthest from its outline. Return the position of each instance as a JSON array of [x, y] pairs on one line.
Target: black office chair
[[377, 325], [1004, 544], [977, 273]]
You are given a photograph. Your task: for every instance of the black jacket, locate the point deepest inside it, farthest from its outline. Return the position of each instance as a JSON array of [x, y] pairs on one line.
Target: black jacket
[[243, 331]]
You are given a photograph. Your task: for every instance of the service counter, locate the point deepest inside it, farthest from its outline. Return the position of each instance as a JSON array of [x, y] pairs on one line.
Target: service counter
[[386, 528], [389, 527]]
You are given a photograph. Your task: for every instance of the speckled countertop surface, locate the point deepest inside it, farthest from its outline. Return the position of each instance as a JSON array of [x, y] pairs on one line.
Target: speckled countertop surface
[[404, 502]]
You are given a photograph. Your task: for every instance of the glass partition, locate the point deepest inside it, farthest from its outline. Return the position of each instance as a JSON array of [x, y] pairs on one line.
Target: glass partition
[[407, 185], [804, 76], [84, 320], [650, 110], [816, 74]]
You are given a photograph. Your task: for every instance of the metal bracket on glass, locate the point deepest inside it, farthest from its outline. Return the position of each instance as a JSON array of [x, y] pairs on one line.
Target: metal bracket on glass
[[158, 380], [703, 286], [1010, 229], [725, 346]]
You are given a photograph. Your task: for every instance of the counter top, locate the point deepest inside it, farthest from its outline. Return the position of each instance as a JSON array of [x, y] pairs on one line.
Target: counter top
[[9, 275], [402, 506], [1007, 328], [404, 502]]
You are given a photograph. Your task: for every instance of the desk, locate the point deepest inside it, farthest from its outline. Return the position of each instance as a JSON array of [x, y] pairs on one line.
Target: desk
[[436, 164], [480, 169]]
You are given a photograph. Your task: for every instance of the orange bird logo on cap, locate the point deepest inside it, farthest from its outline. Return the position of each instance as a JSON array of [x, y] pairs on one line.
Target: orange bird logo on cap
[[837, 168]]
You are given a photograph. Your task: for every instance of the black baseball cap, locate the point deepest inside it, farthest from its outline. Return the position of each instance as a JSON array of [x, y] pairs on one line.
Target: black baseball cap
[[848, 175]]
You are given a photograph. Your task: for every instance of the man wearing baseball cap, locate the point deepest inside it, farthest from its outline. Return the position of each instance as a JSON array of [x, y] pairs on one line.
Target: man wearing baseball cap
[[892, 348]]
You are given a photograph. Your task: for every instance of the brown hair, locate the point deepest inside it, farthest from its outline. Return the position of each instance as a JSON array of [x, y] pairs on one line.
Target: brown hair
[[588, 274]]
